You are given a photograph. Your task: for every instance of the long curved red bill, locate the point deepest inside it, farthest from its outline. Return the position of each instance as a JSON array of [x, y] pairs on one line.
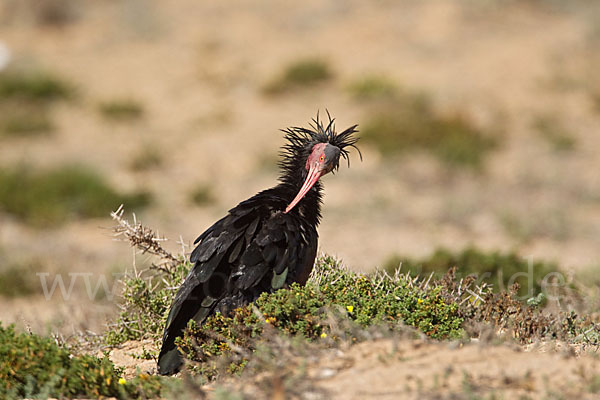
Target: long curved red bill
[[313, 176]]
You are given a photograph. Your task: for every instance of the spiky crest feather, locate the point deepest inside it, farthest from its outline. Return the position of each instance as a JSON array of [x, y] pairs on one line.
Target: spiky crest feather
[[300, 142]]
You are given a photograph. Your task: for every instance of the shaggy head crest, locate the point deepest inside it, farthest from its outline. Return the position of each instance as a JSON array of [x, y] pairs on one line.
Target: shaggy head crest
[[300, 142]]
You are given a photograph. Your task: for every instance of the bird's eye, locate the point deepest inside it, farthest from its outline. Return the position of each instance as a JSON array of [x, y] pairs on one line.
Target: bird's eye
[[322, 157]]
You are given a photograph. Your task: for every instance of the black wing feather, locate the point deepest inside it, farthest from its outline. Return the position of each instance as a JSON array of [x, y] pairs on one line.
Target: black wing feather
[[237, 249], [251, 250]]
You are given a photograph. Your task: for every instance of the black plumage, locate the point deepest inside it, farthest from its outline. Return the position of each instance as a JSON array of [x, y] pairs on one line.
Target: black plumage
[[262, 244]]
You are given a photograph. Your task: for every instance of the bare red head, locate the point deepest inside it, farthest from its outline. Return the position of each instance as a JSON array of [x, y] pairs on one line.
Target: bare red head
[[323, 158], [311, 153]]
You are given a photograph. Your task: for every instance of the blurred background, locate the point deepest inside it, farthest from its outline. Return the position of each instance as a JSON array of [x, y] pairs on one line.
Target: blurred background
[[479, 123]]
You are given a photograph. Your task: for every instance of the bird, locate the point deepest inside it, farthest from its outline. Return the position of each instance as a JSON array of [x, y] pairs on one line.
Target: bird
[[264, 243]]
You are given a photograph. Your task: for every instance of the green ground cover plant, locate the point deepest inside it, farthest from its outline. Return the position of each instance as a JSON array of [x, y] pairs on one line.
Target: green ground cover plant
[[307, 312], [18, 279], [147, 158], [553, 131], [121, 110], [51, 197], [300, 74], [35, 366], [373, 87], [407, 121], [202, 195], [498, 269], [26, 97], [24, 120], [33, 86]]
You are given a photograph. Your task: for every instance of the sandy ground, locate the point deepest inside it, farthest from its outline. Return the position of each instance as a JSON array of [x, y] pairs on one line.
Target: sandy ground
[[198, 68], [413, 369], [417, 370]]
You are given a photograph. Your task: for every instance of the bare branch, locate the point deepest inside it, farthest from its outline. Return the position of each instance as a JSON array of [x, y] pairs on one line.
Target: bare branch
[[144, 239]]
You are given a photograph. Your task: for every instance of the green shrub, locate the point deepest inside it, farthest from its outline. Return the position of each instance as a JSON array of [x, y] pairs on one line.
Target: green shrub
[[300, 310], [19, 279], [491, 267], [303, 73], [44, 198], [373, 87], [409, 122], [147, 158], [202, 195], [26, 125], [32, 365], [304, 310], [121, 109], [37, 86], [25, 97], [146, 303], [23, 119], [553, 131]]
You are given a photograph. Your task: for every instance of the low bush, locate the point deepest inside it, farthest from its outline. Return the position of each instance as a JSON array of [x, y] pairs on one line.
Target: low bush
[[22, 120], [501, 270], [121, 110], [409, 122], [35, 366], [202, 195], [37, 86], [300, 74], [25, 101], [147, 298], [527, 322], [305, 311], [373, 87], [48, 198], [19, 279], [147, 158], [299, 310], [554, 132]]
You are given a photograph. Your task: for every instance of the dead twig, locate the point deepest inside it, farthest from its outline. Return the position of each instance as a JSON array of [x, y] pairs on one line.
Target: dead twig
[[144, 239]]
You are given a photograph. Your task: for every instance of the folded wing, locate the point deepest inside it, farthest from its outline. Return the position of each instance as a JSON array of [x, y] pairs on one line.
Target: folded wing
[[248, 252]]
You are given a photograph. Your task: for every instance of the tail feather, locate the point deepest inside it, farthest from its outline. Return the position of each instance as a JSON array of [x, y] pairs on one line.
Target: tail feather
[[170, 358], [169, 361]]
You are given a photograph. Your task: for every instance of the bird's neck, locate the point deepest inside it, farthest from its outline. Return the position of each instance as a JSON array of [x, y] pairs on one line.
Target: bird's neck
[[309, 208]]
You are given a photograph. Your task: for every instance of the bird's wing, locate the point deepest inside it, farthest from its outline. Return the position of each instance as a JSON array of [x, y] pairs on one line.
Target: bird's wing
[[278, 254], [249, 251], [196, 297]]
